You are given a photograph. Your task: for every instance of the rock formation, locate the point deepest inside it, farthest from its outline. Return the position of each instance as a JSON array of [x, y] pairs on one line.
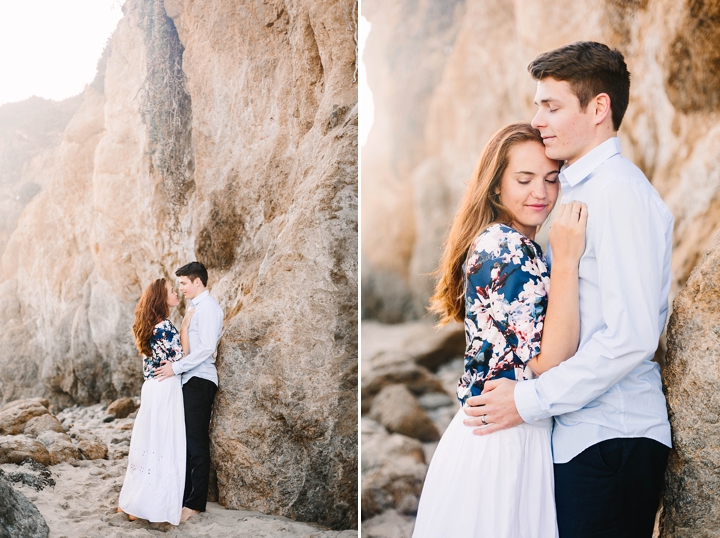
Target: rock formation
[[225, 133], [446, 76], [691, 378], [19, 516]]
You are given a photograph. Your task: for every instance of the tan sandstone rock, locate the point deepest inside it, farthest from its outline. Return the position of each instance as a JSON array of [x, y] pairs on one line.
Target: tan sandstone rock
[[37, 425], [60, 447], [122, 407], [15, 448], [690, 377], [91, 446], [398, 410], [14, 419], [393, 470]]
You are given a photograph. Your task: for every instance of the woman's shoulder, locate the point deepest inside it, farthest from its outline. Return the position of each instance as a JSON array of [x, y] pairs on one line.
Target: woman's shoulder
[[163, 327], [500, 240]]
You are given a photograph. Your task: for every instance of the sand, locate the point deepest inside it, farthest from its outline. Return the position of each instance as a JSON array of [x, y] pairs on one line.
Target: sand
[[83, 501]]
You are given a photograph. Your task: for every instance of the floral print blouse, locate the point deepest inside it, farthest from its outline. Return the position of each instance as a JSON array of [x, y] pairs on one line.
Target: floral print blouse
[[507, 282], [165, 344]]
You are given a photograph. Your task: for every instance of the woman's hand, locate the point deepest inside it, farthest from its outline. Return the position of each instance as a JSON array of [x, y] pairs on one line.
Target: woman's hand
[[567, 233]]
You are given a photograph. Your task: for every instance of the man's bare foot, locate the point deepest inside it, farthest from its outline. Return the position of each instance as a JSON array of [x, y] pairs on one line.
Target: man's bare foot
[[186, 513], [131, 518]]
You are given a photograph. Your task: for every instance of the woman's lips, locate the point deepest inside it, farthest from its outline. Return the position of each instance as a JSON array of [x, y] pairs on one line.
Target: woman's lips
[[537, 207]]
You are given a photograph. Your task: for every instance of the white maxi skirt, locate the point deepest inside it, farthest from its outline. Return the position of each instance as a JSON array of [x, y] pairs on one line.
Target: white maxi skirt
[[493, 486], [155, 477]]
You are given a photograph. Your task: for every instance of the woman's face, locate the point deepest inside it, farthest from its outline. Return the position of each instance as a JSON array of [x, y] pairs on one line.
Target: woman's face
[[529, 186], [172, 296]]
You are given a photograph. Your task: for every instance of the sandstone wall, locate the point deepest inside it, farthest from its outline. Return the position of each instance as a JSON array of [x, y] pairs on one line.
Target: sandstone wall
[[263, 190], [692, 384], [480, 83]]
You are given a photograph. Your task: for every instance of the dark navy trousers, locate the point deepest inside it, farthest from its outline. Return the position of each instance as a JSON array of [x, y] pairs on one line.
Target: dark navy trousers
[[198, 397], [611, 489]]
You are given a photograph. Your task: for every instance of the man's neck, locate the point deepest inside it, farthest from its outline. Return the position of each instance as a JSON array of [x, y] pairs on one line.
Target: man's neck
[[602, 136]]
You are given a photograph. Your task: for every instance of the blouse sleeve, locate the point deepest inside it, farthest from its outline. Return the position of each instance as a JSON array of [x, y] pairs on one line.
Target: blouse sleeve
[[166, 343], [507, 299]]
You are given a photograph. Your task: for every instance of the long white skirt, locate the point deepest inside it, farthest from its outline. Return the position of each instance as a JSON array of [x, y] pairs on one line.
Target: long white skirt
[[155, 477], [493, 486]]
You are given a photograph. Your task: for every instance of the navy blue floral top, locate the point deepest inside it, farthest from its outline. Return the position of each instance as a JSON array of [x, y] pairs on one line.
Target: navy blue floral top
[[505, 305], [165, 344]]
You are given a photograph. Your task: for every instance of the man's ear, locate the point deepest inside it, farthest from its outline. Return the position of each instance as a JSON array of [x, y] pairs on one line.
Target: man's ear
[[602, 107]]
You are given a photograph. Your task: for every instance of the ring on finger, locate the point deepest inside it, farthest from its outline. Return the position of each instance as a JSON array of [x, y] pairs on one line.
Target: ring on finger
[[482, 419]]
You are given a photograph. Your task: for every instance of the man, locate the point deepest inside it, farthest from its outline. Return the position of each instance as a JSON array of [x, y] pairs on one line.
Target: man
[[199, 382], [612, 436]]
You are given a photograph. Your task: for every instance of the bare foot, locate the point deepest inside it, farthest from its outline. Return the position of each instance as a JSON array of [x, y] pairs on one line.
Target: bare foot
[[131, 518], [186, 513]]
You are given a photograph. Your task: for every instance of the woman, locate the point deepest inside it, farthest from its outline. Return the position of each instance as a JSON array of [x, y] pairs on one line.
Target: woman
[[493, 276], [155, 477]]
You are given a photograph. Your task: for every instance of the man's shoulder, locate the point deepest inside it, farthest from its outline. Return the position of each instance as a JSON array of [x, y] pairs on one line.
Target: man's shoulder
[[210, 304]]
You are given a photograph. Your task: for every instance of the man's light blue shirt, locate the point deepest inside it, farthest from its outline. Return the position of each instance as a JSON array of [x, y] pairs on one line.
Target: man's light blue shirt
[[611, 388], [204, 334]]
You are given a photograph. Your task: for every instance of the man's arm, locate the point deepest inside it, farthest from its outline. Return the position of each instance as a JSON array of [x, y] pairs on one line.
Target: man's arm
[[631, 252]]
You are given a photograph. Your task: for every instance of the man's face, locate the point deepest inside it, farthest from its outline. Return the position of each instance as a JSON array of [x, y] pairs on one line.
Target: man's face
[[190, 289], [568, 132]]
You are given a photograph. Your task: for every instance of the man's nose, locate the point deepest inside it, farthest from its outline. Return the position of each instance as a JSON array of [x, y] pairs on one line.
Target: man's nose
[[538, 121]]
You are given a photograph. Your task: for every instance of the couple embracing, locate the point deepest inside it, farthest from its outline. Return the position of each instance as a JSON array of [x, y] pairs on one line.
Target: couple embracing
[[564, 428], [169, 460]]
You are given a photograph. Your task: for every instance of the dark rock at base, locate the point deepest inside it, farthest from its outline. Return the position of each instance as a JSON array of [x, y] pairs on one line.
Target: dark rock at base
[[109, 418], [19, 518]]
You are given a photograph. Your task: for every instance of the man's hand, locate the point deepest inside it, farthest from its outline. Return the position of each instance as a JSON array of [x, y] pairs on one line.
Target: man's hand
[[164, 371], [496, 404]]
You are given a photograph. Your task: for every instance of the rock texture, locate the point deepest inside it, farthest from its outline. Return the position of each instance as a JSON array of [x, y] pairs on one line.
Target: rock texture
[[692, 382], [18, 516], [245, 158], [446, 75]]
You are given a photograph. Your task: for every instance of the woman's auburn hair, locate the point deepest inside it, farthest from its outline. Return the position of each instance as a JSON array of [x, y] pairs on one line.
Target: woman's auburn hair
[[150, 310], [479, 207]]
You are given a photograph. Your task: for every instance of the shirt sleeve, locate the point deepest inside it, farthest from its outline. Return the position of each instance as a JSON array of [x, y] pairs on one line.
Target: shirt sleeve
[[631, 248], [506, 307], [165, 343], [209, 326]]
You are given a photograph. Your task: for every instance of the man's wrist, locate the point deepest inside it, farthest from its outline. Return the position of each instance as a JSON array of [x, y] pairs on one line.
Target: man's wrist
[[526, 401]]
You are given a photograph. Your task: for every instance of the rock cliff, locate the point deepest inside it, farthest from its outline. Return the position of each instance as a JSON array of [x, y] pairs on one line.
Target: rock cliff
[[225, 133], [459, 73]]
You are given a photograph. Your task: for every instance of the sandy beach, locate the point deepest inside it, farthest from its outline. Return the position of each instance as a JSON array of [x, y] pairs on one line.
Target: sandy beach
[[83, 501]]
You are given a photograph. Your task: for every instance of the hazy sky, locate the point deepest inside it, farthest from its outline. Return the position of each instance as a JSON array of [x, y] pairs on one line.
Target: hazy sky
[[50, 48]]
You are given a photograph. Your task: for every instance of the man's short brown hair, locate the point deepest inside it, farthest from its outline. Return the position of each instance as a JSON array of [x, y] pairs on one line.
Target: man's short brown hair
[[591, 69]]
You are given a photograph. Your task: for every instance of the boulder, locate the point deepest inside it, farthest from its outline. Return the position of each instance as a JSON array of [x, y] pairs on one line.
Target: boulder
[[398, 410], [691, 380], [393, 470], [37, 425], [14, 418], [428, 346], [122, 407], [15, 448], [60, 446], [14, 403], [18, 516], [389, 524], [91, 447], [396, 368]]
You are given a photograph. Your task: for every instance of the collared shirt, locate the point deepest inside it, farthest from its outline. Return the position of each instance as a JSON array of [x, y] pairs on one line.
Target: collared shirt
[[204, 334], [611, 388]]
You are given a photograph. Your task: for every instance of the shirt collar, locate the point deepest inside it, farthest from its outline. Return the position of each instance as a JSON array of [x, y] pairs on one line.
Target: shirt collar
[[588, 163], [199, 298]]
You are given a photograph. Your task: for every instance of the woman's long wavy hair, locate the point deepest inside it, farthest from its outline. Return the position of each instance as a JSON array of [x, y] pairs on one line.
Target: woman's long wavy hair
[[479, 208], [151, 309]]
